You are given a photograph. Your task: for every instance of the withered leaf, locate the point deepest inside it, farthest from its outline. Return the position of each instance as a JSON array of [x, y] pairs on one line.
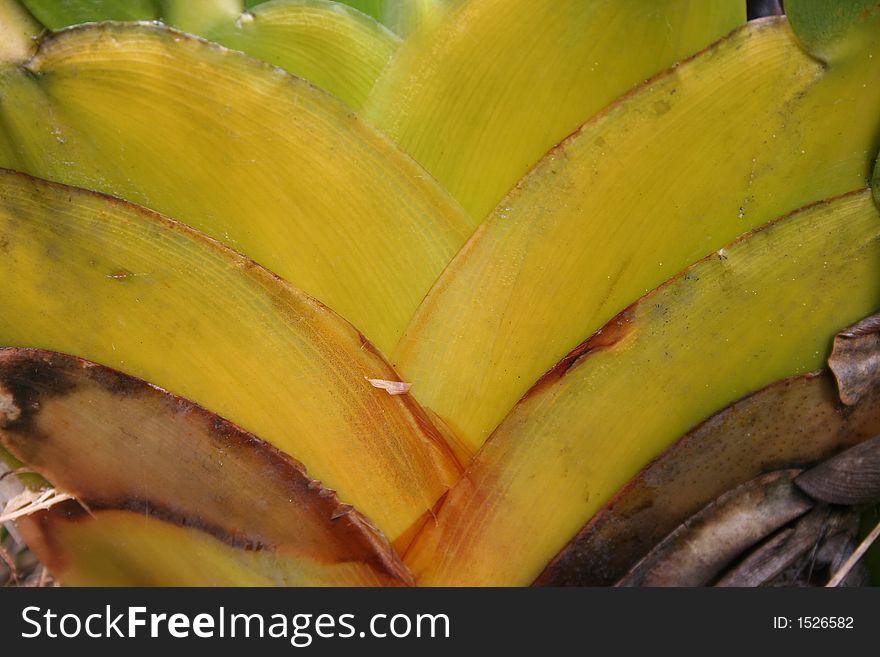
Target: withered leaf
[[855, 359], [148, 464], [698, 550], [852, 477], [816, 532], [795, 422]]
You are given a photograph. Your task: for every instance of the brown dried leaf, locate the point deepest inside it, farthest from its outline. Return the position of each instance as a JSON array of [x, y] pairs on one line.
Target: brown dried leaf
[[769, 560], [698, 550], [849, 570], [795, 422], [9, 560], [130, 451], [850, 478], [855, 359]]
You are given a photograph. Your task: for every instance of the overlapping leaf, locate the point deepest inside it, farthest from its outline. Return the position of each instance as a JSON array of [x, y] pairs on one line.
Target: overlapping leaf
[[241, 151], [189, 497], [792, 423], [111, 282], [494, 84], [721, 144], [763, 309]]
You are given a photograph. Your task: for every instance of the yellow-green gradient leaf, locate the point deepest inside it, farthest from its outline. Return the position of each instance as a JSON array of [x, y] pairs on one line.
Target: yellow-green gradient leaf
[[87, 275], [56, 14], [764, 309], [831, 30], [332, 46], [748, 130], [242, 151], [401, 16], [116, 442], [482, 95]]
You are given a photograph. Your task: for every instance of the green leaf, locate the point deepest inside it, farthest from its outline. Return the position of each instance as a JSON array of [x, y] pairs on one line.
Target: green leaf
[[56, 14], [835, 30], [401, 16]]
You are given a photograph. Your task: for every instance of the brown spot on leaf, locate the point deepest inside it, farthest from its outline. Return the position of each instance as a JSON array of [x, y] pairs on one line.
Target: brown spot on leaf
[[606, 337], [113, 381], [152, 508], [27, 377], [661, 107]]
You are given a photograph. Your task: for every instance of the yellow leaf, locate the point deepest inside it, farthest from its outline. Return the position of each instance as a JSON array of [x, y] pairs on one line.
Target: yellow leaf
[[252, 156], [727, 326], [336, 48], [746, 131], [123, 548], [92, 276], [482, 95]]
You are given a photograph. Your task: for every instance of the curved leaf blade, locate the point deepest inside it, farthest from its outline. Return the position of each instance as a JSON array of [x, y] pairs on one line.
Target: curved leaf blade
[[118, 443], [792, 423], [166, 120], [57, 14], [338, 49], [482, 95], [119, 285], [723, 328], [697, 156]]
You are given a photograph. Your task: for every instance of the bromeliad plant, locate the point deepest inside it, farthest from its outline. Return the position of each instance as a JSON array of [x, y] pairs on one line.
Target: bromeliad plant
[[418, 287]]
